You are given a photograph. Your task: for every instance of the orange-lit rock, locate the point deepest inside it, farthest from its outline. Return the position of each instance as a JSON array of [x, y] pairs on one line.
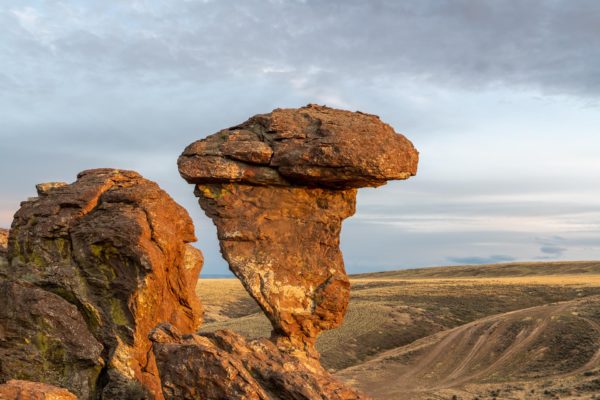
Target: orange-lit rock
[[115, 246], [3, 241], [223, 365], [25, 390], [278, 187]]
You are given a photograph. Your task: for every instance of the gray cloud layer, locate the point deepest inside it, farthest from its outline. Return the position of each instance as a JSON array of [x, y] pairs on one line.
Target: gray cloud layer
[[550, 45], [129, 84]]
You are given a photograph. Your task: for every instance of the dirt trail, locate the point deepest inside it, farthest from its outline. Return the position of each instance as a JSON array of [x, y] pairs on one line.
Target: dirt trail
[[500, 348]]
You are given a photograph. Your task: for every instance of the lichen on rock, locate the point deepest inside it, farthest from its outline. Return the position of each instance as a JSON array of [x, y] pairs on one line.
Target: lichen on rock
[[44, 337], [114, 247]]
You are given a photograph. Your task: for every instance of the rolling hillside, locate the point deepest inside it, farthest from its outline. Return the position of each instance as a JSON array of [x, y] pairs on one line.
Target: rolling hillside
[[552, 349], [467, 331]]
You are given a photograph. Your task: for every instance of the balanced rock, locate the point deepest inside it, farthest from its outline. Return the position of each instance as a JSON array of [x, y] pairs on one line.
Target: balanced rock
[[114, 246], [25, 390], [278, 187], [223, 365]]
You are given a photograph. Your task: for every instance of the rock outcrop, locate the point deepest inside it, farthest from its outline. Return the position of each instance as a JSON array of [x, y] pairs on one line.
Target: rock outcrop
[[223, 365], [94, 266], [278, 187], [25, 390]]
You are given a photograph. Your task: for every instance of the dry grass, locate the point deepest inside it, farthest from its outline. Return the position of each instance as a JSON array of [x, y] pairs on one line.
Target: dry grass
[[224, 299], [392, 311], [386, 313], [514, 269], [552, 350]]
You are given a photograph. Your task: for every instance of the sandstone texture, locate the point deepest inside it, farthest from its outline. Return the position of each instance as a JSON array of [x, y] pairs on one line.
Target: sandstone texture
[[94, 266], [278, 187], [25, 390], [223, 365]]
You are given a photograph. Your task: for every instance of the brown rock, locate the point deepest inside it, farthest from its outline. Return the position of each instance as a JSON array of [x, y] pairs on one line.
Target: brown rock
[[44, 337], [312, 146], [278, 187], [283, 244], [114, 245], [25, 390], [45, 188], [225, 366]]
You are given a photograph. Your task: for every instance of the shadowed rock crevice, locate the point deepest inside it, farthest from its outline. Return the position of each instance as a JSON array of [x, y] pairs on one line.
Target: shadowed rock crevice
[[114, 245]]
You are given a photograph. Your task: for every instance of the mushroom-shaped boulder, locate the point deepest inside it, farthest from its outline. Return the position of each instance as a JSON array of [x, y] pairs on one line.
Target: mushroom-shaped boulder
[[278, 187]]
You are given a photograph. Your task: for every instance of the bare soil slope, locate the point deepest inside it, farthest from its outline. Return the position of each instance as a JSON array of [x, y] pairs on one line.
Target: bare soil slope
[[553, 350]]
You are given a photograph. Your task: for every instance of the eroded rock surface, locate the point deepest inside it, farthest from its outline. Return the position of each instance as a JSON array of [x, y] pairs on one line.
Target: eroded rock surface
[[224, 365], [309, 146], [3, 249], [25, 390], [44, 336], [278, 187], [283, 243], [113, 247], [3, 241]]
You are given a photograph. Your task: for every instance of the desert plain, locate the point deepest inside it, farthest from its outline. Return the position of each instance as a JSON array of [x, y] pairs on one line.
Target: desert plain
[[502, 331]]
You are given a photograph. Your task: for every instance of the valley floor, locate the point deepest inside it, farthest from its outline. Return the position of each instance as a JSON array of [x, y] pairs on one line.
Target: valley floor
[[512, 331]]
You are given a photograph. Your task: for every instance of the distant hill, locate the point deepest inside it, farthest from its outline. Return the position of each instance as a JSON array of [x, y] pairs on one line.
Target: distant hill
[[515, 269]]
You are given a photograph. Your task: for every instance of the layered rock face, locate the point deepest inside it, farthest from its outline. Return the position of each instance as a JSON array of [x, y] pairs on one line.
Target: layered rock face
[[94, 266], [278, 187], [225, 366]]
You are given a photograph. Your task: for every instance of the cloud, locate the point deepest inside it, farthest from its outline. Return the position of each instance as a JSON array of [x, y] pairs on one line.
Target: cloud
[[481, 260], [540, 45], [554, 247], [554, 251], [488, 91]]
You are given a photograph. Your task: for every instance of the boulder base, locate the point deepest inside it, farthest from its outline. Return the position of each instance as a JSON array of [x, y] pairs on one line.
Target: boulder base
[[225, 366]]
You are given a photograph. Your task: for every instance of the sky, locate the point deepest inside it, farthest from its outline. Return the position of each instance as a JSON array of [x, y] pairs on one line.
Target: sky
[[501, 98]]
